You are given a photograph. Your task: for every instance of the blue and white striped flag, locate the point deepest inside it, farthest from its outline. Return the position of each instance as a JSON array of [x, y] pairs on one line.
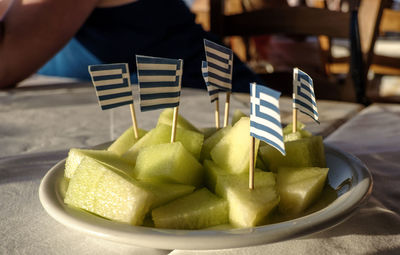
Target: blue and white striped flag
[[159, 82], [212, 90], [112, 84], [220, 63], [265, 117], [303, 94]]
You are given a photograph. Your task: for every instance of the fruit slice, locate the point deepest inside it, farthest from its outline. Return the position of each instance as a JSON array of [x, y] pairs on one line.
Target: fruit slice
[[299, 187], [166, 192], [288, 134], [232, 151], [191, 140], [82, 186], [166, 117], [109, 158], [210, 142], [115, 196], [170, 163], [247, 207], [198, 210], [237, 115], [207, 132], [212, 173], [305, 152], [125, 141]]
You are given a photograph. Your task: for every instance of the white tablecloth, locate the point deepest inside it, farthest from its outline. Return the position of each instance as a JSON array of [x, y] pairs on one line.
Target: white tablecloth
[[36, 130]]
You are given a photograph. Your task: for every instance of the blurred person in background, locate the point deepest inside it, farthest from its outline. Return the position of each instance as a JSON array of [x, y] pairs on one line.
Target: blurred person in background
[[63, 37]]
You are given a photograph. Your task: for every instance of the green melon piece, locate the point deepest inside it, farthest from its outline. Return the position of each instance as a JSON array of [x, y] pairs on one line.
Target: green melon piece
[[82, 186], [201, 209], [237, 115], [212, 173], [166, 192], [124, 142], [288, 134], [232, 151], [247, 207], [211, 141], [192, 141], [260, 163], [299, 187], [112, 195], [122, 199], [170, 163], [207, 132], [166, 118], [305, 152], [109, 158], [289, 127]]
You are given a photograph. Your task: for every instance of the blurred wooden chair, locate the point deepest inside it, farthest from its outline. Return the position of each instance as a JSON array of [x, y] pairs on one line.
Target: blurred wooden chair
[[306, 21], [380, 61], [390, 23]]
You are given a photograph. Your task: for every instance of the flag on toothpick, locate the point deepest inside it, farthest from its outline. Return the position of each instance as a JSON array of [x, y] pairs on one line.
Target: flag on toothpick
[[160, 84], [112, 84], [303, 94], [220, 62], [113, 88], [265, 117], [220, 66], [212, 91], [265, 122]]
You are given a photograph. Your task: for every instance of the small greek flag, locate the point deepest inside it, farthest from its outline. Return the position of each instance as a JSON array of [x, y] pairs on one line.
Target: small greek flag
[[303, 94], [159, 82], [220, 62], [212, 90], [265, 117], [112, 84]]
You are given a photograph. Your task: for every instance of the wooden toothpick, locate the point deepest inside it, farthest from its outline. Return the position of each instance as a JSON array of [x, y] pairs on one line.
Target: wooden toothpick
[[294, 128], [174, 123], [217, 113], [133, 115], [251, 166], [227, 103]]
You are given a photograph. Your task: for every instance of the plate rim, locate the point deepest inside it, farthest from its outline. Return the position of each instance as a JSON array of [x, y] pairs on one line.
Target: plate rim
[[324, 219]]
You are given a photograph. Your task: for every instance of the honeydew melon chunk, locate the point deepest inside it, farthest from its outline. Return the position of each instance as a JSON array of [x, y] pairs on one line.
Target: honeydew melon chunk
[[120, 198], [247, 207], [166, 117], [207, 132], [125, 141], [260, 163], [232, 151], [237, 115], [82, 186], [166, 192], [299, 187], [191, 140], [170, 163], [292, 136], [212, 173], [201, 209], [105, 192], [109, 158], [289, 127], [211, 141], [305, 152], [288, 134]]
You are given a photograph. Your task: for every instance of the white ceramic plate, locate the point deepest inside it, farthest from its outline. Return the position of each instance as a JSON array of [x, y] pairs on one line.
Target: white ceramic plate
[[344, 169]]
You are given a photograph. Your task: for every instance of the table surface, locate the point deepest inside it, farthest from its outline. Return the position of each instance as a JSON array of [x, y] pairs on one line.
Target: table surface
[[39, 124]]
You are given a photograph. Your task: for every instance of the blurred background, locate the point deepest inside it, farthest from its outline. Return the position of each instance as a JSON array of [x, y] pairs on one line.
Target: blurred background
[[314, 41]]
